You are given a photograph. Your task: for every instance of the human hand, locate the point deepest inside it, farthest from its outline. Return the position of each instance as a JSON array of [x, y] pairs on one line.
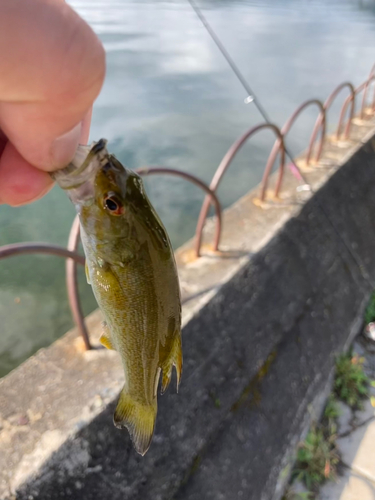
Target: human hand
[[52, 68]]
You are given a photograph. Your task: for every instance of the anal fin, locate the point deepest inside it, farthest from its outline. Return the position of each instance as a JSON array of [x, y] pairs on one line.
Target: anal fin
[[174, 359]]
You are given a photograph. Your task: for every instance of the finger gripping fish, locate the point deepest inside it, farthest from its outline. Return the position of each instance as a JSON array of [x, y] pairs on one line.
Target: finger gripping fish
[[131, 268]]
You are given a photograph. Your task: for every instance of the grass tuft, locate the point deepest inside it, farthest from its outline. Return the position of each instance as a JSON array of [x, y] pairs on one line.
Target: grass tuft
[[317, 458], [351, 383]]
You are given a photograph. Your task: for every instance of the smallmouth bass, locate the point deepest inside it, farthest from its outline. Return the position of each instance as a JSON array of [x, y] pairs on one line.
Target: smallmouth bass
[[131, 267]]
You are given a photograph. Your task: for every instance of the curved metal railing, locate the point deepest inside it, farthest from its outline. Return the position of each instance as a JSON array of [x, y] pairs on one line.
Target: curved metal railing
[[343, 130], [211, 196]]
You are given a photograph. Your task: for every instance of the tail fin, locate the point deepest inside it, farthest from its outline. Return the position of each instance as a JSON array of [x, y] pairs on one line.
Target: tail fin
[[174, 359], [138, 418]]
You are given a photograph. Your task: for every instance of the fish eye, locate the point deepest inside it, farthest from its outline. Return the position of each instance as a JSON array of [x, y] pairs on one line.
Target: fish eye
[[113, 204]]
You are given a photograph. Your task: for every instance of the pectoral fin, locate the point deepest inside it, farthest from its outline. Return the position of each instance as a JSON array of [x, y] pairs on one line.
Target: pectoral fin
[[105, 338]]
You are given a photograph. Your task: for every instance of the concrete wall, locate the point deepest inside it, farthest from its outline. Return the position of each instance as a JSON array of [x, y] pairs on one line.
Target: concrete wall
[[263, 322]]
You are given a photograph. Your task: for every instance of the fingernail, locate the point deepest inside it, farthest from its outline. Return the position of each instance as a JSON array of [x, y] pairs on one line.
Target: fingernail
[[64, 147]]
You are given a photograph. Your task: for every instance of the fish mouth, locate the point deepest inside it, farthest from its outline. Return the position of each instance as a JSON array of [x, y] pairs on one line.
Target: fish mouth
[[86, 162]]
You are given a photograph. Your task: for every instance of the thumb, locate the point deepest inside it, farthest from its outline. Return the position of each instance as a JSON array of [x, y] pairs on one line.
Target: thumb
[[53, 66]]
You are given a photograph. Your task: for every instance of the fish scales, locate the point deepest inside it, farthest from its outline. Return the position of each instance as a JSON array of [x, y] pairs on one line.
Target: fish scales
[[131, 267]]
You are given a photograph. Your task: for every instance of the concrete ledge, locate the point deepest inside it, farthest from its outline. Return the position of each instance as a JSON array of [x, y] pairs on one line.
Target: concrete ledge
[[263, 321]]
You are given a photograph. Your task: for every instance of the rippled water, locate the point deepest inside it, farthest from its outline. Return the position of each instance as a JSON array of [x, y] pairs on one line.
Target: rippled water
[[170, 99]]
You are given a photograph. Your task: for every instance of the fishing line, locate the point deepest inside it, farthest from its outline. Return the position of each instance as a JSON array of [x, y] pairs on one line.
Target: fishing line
[[253, 98]]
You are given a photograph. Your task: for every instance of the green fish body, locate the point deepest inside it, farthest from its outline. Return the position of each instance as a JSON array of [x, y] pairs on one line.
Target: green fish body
[[131, 267]]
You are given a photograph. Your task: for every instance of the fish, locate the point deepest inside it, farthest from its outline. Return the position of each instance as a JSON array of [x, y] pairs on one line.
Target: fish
[[131, 267]]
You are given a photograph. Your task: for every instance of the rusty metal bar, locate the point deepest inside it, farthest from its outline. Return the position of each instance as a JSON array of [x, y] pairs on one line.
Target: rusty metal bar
[[323, 116], [73, 258], [372, 72], [72, 285], [366, 85], [44, 248], [271, 160], [225, 162], [269, 165], [319, 125], [334, 94], [350, 99], [332, 97], [289, 123], [211, 194]]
